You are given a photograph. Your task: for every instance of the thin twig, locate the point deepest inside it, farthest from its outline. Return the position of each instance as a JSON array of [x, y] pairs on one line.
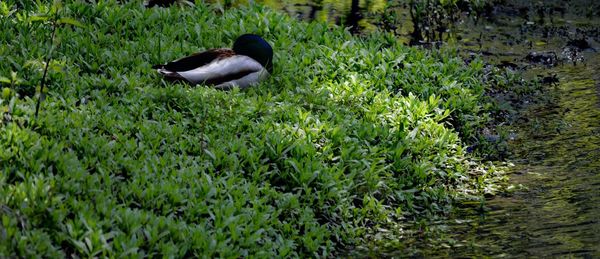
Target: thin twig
[[48, 59]]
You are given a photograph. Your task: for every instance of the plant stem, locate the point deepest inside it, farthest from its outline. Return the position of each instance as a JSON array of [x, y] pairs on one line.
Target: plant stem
[[48, 59]]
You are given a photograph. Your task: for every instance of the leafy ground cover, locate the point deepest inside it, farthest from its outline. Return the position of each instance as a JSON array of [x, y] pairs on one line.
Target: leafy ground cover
[[348, 135]]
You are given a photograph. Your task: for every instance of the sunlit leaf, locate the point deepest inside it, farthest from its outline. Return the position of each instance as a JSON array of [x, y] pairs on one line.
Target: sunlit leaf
[[5, 80], [5, 93], [70, 21], [38, 18]]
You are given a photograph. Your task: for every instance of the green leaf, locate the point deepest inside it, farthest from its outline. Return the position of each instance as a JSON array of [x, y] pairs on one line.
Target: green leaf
[[5, 10], [5, 80], [5, 93], [56, 7], [70, 21], [38, 18]]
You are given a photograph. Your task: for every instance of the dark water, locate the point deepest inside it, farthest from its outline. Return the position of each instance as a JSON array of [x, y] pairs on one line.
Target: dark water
[[557, 149], [557, 160], [554, 209]]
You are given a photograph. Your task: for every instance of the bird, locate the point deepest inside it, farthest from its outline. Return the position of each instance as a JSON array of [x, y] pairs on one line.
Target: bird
[[248, 62]]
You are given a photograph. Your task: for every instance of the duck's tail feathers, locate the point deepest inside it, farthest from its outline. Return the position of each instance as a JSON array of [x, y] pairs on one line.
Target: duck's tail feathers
[[169, 75], [166, 3]]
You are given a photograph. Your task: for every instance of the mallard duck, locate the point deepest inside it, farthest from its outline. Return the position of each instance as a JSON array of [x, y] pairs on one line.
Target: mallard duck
[[246, 64]]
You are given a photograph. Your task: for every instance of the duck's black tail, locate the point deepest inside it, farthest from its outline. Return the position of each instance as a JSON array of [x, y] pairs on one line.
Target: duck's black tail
[[161, 3]]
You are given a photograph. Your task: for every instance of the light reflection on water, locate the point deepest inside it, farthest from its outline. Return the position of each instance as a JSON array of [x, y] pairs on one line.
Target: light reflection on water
[[359, 14]]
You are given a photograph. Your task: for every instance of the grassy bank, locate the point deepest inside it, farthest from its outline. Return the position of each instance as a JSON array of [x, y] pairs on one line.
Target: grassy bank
[[348, 135]]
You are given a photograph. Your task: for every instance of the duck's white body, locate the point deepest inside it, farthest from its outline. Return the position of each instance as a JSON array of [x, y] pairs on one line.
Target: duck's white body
[[225, 73]]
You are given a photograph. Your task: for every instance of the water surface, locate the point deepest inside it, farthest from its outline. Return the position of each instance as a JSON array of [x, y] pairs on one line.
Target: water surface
[[556, 152]]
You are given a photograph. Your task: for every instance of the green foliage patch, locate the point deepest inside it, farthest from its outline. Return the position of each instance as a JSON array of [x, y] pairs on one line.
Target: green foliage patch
[[348, 134]]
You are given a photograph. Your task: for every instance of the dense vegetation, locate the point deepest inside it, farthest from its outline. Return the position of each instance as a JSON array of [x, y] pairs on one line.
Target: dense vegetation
[[349, 134]]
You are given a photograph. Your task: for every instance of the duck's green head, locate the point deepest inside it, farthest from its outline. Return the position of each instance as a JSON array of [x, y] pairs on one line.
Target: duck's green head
[[254, 46]]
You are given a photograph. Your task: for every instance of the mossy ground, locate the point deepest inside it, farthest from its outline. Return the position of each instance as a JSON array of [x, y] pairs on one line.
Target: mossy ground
[[348, 134]]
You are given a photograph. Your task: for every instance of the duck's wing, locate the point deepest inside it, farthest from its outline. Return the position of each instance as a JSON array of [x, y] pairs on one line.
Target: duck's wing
[[195, 60], [245, 81], [237, 70]]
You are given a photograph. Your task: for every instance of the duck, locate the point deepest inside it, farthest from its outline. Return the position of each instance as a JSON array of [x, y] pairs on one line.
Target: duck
[[247, 63]]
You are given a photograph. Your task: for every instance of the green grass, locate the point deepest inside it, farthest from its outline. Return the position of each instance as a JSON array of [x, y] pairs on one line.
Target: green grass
[[348, 134]]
